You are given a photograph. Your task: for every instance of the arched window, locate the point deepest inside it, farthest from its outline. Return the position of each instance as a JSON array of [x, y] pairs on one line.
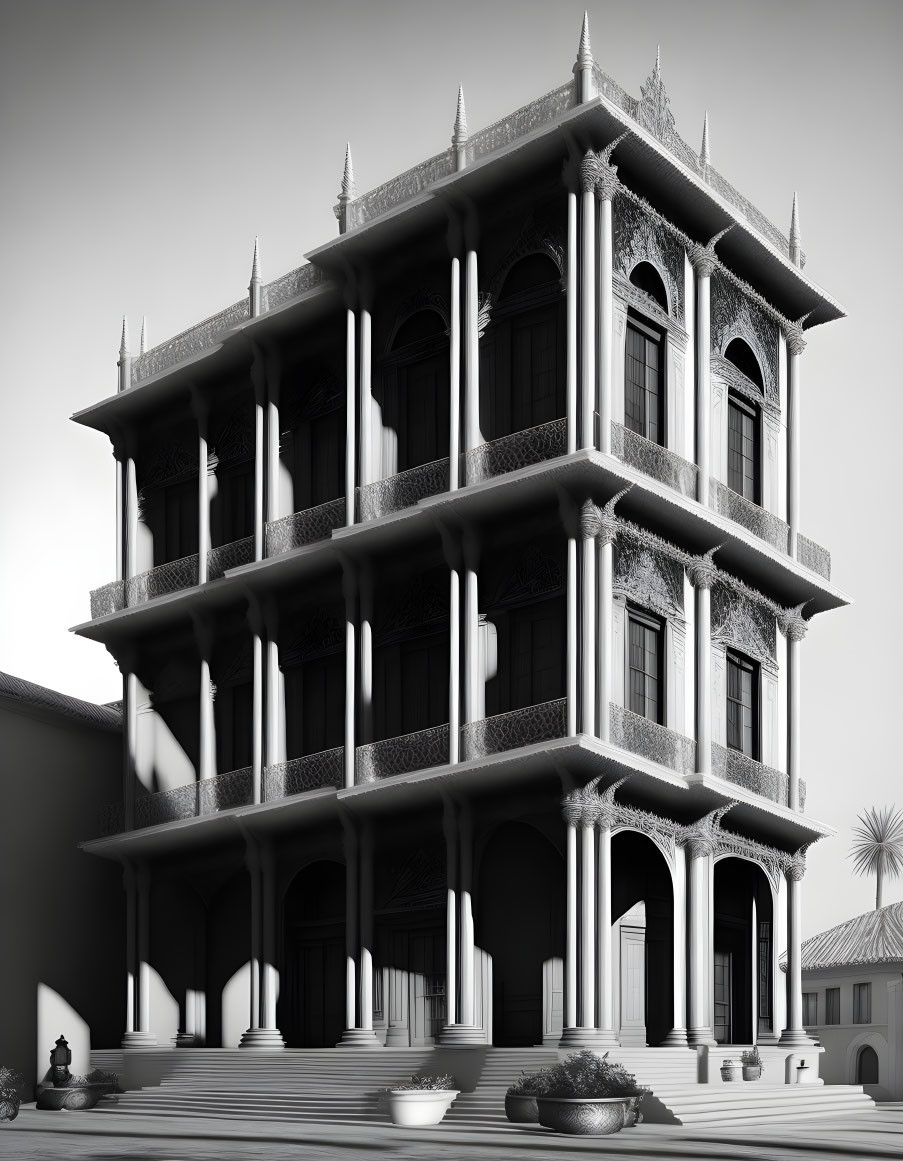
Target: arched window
[[867, 1065], [522, 356], [645, 277], [744, 422], [740, 353]]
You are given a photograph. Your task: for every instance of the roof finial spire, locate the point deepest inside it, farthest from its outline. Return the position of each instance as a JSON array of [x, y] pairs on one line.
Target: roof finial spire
[[125, 359], [459, 136], [796, 242], [124, 341], [255, 300], [347, 175], [584, 52], [143, 334], [255, 261], [658, 58], [704, 157], [583, 69]]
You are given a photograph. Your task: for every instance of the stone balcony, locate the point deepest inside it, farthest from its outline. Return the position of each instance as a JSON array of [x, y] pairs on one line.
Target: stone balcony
[[305, 527], [403, 755], [649, 740], [402, 490], [512, 730], [654, 460], [743, 771], [517, 450]]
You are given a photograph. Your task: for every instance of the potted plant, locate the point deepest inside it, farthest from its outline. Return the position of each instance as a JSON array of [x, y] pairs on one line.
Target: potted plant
[[752, 1064], [731, 1070], [520, 1099], [588, 1095], [11, 1085], [424, 1100]]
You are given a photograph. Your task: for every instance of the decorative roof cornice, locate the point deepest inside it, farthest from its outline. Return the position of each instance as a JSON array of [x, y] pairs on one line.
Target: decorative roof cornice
[[18, 691]]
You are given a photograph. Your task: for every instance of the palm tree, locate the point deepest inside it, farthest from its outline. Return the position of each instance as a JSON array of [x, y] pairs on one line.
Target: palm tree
[[878, 845]]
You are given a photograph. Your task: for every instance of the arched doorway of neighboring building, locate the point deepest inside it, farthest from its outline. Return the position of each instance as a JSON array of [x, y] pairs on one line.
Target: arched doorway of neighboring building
[[742, 968], [642, 910], [311, 1009], [867, 1065], [520, 923]]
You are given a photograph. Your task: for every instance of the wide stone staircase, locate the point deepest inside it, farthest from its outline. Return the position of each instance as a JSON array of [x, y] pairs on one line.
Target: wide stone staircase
[[347, 1085]]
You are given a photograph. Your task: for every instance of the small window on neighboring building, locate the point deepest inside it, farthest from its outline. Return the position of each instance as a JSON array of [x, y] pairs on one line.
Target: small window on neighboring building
[[810, 1008], [832, 1006], [643, 393], [743, 447], [645, 665], [862, 1003], [742, 704]]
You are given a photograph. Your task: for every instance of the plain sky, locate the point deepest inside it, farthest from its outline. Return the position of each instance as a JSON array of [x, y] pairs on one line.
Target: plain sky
[[145, 144]]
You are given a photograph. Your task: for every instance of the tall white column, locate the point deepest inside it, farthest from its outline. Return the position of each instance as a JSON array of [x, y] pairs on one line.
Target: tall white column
[[570, 989], [260, 426], [454, 378], [252, 863], [796, 344], [699, 872], [273, 511], [351, 930], [465, 871], [588, 309], [350, 417], [269, 978], [588, 635], [573, 635], [454, 665], [275, 723], [131, 953], [207, 746], [606, 312], [129, 741], [349, 584], [143, 903], [472, 674], [604, 969], [367, 927], [460, 986], [365, 699], [203, 503], [471, 353], [702, 572], [131, 518], [677, 1037], [794, 1033], [257, 725], [704, 264], [793, 720], [120, 512], [587, 925], [366, 437], [608, 531], [572, 358], [450, 830]]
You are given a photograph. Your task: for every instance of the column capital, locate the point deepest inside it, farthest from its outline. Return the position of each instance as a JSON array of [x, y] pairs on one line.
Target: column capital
[[590, 520], [793, 624], [702, 570], [796, 865], [608, 522], [793, 335], [701, 837], [704, 259], [597, 174]]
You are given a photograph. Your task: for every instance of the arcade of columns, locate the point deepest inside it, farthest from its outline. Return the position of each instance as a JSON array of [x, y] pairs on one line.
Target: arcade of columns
[[590, 537]]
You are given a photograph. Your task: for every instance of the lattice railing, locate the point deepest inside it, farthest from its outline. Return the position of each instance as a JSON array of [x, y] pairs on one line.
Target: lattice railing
[[521, 122], [304, 527], [754, 518], [220, 560], [400, 189], [813, 556], [402, 490], [312, 772], [654, 460], [109, 599], [417, 751], [191, 342], [516, 451], [162, 580], [510, 731], [290, 285], [641, 736], [166, 806], [735, 767], [225, 791]]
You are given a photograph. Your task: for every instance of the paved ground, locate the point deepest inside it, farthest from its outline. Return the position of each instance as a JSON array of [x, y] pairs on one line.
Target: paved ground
[[104, 1137]]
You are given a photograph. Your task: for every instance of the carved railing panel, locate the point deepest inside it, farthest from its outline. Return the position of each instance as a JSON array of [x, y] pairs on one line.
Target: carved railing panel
[[304, 527], [754, 518], [523, 121], [641, 736], [312, 772], [166, 806], [735, 767], [510, 731], [417, 751], [220, 560], [516, 451], [654, 460], [108, 599], [162, 580], [196, 339], [225, 791], [813, 556], [402, 490], [291, 285], [400, 189]]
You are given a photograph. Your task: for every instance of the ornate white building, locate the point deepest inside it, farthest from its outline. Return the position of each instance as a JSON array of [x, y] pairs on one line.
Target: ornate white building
[[461, 605]]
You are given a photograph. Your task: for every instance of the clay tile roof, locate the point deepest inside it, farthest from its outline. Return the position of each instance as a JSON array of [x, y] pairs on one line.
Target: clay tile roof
[[27, 694], [875, 937]]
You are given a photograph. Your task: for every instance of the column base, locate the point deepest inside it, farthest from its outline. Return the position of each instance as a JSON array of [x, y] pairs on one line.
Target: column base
[[139, 1040], [186, 1040], [595, 1038], [705, 1036], [767, 1038], [676, 1038], [262, 1038], [462, 1036], [359, 1038], [795, 1038]]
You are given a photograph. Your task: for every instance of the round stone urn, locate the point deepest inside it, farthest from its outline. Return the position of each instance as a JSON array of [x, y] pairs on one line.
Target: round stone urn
[[520, 1109], [582, 1116]]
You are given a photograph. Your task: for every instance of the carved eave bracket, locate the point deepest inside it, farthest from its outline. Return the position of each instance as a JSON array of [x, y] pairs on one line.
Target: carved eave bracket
[[793, 624], [702, 570]]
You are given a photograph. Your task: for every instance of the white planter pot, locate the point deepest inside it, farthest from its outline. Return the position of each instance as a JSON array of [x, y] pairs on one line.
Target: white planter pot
[[411, 1107]]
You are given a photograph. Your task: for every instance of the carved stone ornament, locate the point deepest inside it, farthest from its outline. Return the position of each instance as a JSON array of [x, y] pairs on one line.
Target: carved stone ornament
[[793, 624], [172, 460], [796, 864], [653, 112], [638, 236], [650, 579], [743, 623], [422, 604], [320, 634], [609, 524], [702, 570], [736, 316], [702, 837], [484, 312], [534, 238], [590, 520], [793, 333], [536, 573]]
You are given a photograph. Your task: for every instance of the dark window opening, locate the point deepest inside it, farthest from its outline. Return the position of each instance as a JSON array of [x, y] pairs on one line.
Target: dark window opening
[[740, 354], [832, 1005], [742, 705], [743, 448], [862, 1003], [645, 277], [646, 666], [643, 379]]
